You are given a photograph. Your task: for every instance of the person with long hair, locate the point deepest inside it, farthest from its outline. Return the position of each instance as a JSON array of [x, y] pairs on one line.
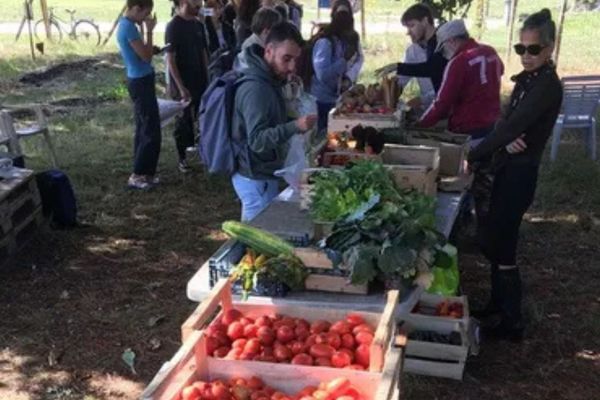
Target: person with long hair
[[515, 148], [335, 50], [243, 22]]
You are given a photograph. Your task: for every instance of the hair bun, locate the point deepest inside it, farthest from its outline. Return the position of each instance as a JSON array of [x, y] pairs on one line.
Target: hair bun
[[545, 14]]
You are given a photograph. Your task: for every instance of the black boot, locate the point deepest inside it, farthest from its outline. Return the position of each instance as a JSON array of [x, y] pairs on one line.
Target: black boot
[[511, 325], [492, 308]]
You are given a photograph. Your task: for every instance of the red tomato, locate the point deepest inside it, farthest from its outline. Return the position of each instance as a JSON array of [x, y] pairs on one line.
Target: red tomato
[[267, 351], [321, 338], [239, 343], [302, 332], [265, 335], [211, 345], [350, 353], [285, 334], [223, 339], [334, 340], [219, 390], [263, 321], [200, 385], [345, 398], [255, 383], [341, 327], [278, 396], [362, 328], [269, 390], [348, 341], [221, 352], [362, 355], [234, 354], [364, 337], [235, 330], [307, 398], [323, 362], [319, 326], [338, 386], [252, 346], [321, 350], [312, 339], [302, 323], [215, 327], [231, 316], [250, 331], [246, 321], [354, 319], [190, 393], [247, 356], [259, 394], [341, 359], [282, 353], [352, 392], [240, 392], [302, 359], [296, 347], [236, 381]]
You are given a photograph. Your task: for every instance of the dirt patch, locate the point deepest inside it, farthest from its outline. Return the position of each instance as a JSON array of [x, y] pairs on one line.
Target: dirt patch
[[56, 71]]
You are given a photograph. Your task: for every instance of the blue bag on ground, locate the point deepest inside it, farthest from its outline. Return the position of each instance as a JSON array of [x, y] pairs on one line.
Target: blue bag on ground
[[58, 198], [216, 145]]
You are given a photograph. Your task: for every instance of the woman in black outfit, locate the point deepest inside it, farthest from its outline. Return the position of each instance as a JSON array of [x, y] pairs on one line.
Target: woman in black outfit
[[245, 13], [515, 148]]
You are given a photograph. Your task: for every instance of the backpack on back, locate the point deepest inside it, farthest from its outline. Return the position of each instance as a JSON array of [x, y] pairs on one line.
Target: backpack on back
[[217, 147], [221, 62]]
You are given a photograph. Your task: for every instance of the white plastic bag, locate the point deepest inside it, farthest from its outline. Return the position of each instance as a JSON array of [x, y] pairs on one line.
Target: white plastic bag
[[169, 109], [295, 163]]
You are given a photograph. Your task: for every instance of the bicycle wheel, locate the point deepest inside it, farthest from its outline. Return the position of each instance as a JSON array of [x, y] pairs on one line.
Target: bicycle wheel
[[87, 32], [40, 31]]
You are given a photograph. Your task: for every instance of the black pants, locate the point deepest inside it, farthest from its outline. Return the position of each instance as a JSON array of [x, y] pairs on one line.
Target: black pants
[[512, 193], [146, 147], [185, 131]]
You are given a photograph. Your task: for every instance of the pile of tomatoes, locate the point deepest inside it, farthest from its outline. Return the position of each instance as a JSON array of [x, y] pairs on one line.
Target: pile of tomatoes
[[283, 339], [255, 389]]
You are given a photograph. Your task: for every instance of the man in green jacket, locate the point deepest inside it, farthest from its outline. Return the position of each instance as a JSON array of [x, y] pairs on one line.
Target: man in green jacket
[[260, 123]]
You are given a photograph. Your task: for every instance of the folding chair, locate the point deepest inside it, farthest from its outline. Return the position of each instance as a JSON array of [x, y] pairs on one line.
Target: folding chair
[[581, 101]]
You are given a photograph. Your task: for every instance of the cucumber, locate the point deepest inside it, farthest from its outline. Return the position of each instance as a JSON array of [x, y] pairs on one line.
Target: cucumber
[[263, 242]]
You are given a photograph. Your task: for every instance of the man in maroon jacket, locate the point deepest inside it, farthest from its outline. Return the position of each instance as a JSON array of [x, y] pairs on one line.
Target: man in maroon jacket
[[470, 98]]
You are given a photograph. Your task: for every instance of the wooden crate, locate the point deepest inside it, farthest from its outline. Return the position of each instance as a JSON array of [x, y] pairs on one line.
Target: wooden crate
[[221, 296], [425, 308], [435, 359], [413, 167], [19, 199], [330, 158], [317, 260], [191, 362], [338, 122], [453, 148]]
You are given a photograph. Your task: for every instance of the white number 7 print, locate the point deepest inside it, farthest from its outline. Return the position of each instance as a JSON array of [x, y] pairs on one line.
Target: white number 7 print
[[483, 61]]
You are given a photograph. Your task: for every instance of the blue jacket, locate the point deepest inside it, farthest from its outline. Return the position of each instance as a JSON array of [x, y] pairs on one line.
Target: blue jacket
[[330, 67]]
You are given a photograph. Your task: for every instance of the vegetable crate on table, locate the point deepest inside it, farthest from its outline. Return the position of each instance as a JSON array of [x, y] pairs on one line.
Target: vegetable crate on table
[[413, 167], [321, 277], [339, 122], [433, 307], [191, 362], [453, 148]]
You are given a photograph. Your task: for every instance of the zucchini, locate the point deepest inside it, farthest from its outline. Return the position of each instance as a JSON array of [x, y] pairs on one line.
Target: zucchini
[[263, 242]]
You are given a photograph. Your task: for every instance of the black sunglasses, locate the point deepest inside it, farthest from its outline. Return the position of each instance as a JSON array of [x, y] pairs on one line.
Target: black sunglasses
[[533, 49]]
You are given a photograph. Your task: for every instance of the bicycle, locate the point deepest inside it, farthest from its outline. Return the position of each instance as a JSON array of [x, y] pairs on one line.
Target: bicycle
[[82, 30]]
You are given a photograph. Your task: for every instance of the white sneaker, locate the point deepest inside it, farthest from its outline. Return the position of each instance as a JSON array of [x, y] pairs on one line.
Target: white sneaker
[[184, 167], [138, 183]]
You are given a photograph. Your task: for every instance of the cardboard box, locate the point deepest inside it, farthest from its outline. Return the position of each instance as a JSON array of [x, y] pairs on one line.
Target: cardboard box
[[453, 148], [413, 167]]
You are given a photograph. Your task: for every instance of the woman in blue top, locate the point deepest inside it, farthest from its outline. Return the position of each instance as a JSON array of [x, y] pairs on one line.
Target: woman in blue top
[[335, 50], [137, 57]]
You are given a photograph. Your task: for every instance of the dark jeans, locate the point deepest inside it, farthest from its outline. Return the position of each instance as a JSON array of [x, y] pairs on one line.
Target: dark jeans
[[512, 194], [146, 146], [185, 130], [323, 114]]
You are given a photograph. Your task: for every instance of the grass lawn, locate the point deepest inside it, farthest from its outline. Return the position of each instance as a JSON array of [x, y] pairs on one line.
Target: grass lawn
[[84, 296]]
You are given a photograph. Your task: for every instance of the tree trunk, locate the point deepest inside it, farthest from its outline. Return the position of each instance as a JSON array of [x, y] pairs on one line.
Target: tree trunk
[[480, 18], [511, 28], [563, 11]]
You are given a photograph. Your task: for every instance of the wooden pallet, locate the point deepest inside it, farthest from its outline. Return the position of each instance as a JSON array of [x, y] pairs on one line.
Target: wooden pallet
[[191, 362], [19, 199]]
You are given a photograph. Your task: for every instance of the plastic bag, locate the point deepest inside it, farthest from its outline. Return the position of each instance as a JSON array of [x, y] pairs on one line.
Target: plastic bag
[[169, 109], [295, 163], [298, 102], [446, 279]]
